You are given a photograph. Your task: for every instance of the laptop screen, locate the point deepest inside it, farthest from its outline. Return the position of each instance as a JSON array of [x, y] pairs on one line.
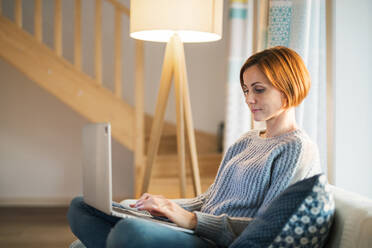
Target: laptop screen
[[97, 175]]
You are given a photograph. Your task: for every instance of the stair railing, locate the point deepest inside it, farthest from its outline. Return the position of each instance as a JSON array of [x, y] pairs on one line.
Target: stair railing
[[120, 10]]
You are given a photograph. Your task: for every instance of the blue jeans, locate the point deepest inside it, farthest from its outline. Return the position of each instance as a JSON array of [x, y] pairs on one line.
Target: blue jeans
[[97, 229]]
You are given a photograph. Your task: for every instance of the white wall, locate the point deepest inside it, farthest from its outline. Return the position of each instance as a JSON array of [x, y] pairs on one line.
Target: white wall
[[40, 144], [353, 95]]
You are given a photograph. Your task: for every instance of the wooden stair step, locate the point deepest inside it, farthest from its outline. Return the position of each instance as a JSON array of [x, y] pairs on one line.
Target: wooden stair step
[[169, 187], [205, 142], [167, 165], [168, 144]]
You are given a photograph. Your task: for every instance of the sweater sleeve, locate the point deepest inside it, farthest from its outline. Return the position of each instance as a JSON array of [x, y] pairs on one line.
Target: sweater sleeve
[[195, 204], [221, 229]]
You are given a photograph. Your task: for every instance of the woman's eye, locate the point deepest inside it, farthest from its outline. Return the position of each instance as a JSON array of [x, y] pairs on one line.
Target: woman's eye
[[259, 90], [245, 92]]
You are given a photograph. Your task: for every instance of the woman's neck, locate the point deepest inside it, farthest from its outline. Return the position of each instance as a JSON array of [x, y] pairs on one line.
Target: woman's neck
[[283, 123]]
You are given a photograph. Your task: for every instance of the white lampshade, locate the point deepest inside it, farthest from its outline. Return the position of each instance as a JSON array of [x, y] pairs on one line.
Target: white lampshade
[[192, 20]]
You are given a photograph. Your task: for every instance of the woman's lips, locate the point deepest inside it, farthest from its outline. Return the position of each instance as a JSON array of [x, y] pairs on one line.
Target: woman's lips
[[255, 110]]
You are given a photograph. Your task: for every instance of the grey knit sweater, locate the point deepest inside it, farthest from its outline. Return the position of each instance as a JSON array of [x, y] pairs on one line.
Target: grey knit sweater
[[253, 171]]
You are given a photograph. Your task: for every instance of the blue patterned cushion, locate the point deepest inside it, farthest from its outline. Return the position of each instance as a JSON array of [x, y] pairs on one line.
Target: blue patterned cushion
[[301, 216]]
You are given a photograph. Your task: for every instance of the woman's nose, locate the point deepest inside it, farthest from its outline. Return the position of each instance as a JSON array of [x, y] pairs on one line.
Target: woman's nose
[[250, 99]]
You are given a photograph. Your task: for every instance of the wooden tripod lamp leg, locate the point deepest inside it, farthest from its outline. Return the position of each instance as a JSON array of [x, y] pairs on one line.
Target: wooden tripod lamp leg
[[192, 143], [157, 125], [190, 127], [179, 81], [139, 154]]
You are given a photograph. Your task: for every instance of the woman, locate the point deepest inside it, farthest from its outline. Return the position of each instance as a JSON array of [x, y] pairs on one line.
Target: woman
[[254, 170]]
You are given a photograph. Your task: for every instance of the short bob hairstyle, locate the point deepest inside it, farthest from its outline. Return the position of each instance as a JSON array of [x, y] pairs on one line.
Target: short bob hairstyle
[[285, 70]]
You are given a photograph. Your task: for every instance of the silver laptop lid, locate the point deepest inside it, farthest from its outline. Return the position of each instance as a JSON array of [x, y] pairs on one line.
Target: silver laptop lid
[[97, 189]]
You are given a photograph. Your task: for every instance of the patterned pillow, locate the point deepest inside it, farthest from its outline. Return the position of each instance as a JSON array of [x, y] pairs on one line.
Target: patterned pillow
[[301, 216]]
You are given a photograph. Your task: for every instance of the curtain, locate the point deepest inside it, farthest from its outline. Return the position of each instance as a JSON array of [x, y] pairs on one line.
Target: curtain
[[300, 25], [238, 118]]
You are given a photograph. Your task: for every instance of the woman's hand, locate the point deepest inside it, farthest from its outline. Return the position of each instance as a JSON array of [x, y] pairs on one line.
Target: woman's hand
[[160, 206]]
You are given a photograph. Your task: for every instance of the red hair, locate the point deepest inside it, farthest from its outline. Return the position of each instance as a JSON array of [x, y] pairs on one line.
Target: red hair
[[285, 70]]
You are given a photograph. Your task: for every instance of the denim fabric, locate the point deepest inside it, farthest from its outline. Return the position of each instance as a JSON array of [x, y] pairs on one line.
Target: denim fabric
[[97, 229]]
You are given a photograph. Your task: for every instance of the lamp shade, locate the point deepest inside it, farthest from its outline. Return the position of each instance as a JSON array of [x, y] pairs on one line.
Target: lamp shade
[[192, 20]]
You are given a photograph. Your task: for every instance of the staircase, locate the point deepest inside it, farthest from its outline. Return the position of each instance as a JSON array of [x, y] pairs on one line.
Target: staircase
[[87, 96]]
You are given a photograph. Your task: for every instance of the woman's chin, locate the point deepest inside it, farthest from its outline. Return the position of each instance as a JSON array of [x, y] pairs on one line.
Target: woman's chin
[[258, 118]]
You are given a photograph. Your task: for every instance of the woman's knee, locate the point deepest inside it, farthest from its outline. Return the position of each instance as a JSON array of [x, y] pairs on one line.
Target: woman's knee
[[76, 204], [74, 210], [77, 201]]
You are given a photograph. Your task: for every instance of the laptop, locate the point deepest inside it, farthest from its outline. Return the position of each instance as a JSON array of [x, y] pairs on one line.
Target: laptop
[[97, 178]]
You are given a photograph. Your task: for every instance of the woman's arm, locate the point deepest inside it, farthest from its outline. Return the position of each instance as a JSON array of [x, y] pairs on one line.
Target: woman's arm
[[194, 204], [289, 159], [180, 210], [221, 229]]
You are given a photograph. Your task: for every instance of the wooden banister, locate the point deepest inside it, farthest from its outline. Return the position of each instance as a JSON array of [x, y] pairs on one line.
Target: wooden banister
[[98, 42], [38, 30], [58, 27], [117, 54], [77, 35], [18, 13], [136, 143]]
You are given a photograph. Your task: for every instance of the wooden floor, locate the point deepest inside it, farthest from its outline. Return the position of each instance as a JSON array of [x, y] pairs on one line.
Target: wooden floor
[[34, 227]]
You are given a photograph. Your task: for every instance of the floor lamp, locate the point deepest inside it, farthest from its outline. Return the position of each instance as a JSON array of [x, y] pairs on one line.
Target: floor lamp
[[175, 22]]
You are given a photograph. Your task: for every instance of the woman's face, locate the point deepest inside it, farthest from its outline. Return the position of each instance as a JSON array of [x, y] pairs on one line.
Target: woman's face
[[263, 99]]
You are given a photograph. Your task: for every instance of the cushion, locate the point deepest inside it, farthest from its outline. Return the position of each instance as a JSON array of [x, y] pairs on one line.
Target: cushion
[[301, 216]]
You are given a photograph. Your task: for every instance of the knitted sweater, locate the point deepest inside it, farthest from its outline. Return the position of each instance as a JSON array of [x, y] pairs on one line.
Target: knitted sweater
[[253, 171]]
